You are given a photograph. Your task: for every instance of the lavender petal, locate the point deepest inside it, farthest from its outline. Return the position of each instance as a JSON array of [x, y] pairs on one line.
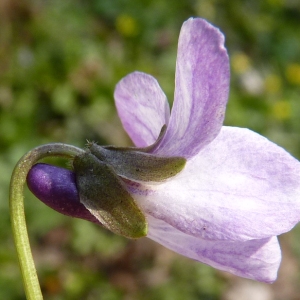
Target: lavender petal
[[201, 90], [254, 259], [240, 187], [142, 107]]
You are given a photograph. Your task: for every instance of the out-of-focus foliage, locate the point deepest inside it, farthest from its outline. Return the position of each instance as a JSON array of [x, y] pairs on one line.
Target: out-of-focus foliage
[[60, 61]]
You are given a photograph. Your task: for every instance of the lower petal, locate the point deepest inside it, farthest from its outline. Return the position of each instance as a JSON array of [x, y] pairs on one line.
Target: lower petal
[[254, 259], [239, 187]]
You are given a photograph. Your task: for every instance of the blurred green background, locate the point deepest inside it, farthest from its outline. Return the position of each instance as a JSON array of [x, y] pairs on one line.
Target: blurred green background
[[59, 63]]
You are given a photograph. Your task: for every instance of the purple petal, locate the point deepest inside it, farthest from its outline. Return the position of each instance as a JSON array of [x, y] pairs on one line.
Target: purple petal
[[56, 188], [240, 187], [201, 92], [254, 259], [142, 107]]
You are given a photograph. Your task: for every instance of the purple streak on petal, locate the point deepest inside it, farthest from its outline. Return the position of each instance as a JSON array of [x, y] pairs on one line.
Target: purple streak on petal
[[201, 91], [254, 259], [56, 188], [240, 187], [142, 107]]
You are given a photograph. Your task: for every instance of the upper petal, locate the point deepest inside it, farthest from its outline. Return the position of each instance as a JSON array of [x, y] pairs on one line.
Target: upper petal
[[241, 186], [254, 259], [142, 107], [201, 91]]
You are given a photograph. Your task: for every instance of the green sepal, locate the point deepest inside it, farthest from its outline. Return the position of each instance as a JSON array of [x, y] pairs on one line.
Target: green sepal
[[139, 166], [106, 197]]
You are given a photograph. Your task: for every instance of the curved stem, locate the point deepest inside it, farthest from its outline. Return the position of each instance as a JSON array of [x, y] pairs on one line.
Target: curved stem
[[17, 214]]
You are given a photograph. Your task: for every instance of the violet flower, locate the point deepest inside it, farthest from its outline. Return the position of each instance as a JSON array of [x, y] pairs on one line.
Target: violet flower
[[237, 192]]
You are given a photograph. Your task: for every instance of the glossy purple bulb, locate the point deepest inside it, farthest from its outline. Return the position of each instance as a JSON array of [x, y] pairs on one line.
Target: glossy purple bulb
[[56, 187]]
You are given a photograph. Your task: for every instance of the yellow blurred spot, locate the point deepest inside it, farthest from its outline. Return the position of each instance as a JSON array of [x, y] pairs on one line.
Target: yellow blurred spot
[[240, 62], [293, 73], [272, 84], [127, 25], [281, 110]]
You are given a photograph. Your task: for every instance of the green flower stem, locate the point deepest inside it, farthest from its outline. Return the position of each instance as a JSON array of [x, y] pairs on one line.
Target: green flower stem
[[17, 214]]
